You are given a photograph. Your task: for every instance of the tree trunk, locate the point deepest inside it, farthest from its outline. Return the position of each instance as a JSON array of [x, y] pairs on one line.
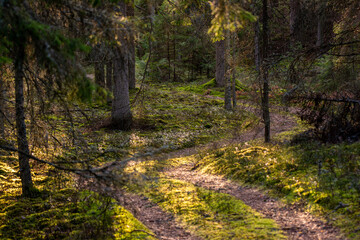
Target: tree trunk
[[220, 63], [168, 54], [319, 35], [265, 93], [121, 116], [109, 75], [294, 20], [174, 62], [99, 73], [131, 63], [234, 88], [228, 104], [320, 23], [25, 172], [257, 47], [2, 106]]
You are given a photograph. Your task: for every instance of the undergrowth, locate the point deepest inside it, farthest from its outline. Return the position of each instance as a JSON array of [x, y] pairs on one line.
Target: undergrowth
[[165, 117], [60, 214], [210, 88]]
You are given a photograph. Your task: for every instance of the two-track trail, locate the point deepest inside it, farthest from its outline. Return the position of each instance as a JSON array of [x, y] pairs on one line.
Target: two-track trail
[[295, 222]]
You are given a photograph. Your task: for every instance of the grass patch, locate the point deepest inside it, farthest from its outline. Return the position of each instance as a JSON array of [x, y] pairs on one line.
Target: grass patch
[[211, 215]]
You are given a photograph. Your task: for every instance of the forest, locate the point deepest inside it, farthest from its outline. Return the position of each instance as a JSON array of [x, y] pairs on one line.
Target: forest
[[179, 119]]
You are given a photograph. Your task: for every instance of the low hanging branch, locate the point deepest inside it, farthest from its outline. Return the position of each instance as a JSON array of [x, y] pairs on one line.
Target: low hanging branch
[[75, 170], [103, 172], [325, 99]]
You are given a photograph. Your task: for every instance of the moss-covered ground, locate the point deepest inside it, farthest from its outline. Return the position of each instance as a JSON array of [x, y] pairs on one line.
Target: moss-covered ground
[[166, 117], [60, 214], [325, 178], [211, 215]]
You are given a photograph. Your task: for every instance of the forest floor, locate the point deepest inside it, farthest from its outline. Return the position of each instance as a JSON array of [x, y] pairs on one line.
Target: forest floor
[[198, 172], [292, 220]]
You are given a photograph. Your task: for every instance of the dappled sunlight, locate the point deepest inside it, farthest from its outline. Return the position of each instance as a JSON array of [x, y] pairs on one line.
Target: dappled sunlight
[[209, 214], [301, 173]]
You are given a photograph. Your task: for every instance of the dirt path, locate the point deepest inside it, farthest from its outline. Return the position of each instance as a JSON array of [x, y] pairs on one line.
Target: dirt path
[[292, 219], [295, 222], [161, 223]]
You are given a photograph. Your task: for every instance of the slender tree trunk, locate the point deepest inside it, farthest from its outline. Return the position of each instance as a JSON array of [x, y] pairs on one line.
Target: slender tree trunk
[[319, 35], [294, 20], [228, 104], [2, 105], [121, 113], [109, 79], [25, 172], [320, 23], [99, 73], [132, 81], [234, 72], [109, 75], [168, 55], [234, 88], [220, 63], [265, 93], [257, 47], [174, 63]]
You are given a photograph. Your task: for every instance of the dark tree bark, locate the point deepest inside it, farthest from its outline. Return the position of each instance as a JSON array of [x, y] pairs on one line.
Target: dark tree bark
[[234, 87], [265, 93], [233, 83], [2, 106], [257, 47], [220, 63], [228, 104], [131, 63], [320, 27], [168, 55], [174, 52], [121, 116], [325, 24], [100, 73], [109, 75], [25, 172], [294, 20]]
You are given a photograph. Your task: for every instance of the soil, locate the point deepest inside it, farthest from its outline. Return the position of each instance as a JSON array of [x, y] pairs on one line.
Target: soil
[[161, 223]]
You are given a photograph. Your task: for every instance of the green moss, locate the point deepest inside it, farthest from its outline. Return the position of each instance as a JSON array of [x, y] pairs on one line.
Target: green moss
[[210, 88], [212, 215], [67, 214], [324, 176]]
